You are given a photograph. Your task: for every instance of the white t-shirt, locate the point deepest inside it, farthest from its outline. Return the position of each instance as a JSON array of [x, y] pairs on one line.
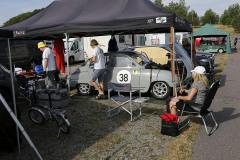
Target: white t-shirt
[[48, 53], [99, 63]]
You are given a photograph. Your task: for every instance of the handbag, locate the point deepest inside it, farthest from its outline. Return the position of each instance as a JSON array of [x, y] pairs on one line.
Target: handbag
[[169, 125]]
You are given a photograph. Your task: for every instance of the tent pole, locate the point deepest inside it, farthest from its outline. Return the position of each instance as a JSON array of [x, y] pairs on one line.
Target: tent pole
[[174, 58], [191, 46], [68, 77], [19, 125], [13, 95]]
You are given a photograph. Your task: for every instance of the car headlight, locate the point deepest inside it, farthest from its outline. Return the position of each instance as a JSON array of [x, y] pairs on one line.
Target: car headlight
[[204, 60]]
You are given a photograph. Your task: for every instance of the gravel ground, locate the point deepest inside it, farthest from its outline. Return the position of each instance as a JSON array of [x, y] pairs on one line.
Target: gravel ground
[[95, 136]]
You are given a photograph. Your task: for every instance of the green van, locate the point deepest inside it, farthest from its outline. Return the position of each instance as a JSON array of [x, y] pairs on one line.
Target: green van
[[211, 46]]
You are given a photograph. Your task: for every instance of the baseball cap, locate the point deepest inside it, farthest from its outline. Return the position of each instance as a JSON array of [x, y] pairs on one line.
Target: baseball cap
[[199, 70], [94, 42]]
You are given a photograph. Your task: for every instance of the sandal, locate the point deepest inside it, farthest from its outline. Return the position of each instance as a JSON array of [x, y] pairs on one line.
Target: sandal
[[100, 96]]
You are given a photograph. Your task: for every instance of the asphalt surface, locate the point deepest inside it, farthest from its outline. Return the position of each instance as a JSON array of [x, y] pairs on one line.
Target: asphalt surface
[[224, 143]]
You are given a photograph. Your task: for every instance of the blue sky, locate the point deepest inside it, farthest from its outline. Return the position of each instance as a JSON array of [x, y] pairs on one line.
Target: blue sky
[[11, 8]]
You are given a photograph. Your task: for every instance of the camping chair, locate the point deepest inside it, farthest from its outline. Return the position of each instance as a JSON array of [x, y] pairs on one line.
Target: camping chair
[[23, 88], [205, 108], [133, 101]]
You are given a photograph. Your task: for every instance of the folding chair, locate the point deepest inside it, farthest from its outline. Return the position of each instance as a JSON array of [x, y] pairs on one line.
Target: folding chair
[[133, 101], [204, 111], [24, 92]]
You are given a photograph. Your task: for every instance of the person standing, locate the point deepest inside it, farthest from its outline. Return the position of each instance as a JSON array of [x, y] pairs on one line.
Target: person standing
[[49, 65], [235, 42], [186, 46], [99, 68]]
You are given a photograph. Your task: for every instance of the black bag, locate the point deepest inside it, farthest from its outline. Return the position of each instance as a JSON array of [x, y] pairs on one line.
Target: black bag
[[169, 128]]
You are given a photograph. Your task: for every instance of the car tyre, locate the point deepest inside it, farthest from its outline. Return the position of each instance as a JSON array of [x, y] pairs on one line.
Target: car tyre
[[71, 60], [220, 50], [160, 90], [84, 89]]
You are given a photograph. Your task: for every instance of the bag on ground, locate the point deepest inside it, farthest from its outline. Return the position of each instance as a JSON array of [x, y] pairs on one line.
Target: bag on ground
[[169, 124]]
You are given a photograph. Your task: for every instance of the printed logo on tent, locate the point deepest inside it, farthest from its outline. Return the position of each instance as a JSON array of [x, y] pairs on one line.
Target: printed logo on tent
[[161, 19], [150, 21], [123, 76], [18, 33], [180, 21]]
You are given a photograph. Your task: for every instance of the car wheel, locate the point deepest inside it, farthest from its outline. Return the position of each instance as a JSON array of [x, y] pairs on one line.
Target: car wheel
[[71, 60], [32, 64], [84, 89], [160, 90], [220, 50]]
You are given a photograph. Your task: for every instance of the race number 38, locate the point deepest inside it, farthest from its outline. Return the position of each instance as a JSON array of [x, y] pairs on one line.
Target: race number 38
[[124, 76]]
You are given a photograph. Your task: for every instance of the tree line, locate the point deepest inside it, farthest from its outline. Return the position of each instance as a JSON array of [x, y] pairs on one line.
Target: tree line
[[21, 17], [230, 16]]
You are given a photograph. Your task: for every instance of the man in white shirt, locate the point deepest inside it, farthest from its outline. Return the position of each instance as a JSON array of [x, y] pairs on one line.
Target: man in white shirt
[[49, 65], [99, 68]]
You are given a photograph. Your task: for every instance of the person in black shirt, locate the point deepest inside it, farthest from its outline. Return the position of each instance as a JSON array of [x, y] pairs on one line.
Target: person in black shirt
[[186, 46], [235, 42]]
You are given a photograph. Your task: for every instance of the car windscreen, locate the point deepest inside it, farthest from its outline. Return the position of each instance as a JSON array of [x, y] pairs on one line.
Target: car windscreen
[[140, 59]]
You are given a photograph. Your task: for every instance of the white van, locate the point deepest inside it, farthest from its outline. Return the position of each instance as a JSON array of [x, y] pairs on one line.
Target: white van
[[76, 50]]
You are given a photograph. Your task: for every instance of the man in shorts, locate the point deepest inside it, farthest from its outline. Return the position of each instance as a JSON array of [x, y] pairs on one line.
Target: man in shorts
[[99, 68], [49, 65]]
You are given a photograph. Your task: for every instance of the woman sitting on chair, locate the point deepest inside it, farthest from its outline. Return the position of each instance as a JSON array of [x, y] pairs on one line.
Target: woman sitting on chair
[[196, 94]]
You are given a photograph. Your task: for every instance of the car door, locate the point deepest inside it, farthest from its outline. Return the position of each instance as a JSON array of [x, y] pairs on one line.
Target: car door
[[122, 69]]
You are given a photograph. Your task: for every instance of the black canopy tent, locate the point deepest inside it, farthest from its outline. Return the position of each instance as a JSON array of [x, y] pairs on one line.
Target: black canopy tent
[[99, 17], [5, 34], [78, 18]]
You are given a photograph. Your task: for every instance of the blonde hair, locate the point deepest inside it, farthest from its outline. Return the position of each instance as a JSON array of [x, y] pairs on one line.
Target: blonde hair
[[202, 78]]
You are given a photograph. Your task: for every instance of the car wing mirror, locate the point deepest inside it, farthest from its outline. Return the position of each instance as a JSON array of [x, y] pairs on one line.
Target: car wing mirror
[[133, 64]]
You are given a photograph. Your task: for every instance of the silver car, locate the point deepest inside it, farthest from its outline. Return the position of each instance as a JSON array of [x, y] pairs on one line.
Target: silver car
[[130, 67]]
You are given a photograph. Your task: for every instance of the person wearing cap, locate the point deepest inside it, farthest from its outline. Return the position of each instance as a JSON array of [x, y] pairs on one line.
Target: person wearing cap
[[196, 95], [99, 68], [48, 63]]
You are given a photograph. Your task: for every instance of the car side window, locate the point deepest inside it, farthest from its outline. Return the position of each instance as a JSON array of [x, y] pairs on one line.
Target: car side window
[[120, 62]]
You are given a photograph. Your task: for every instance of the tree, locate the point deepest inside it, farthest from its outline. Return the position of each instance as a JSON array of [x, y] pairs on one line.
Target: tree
[[210, 17], [225, 19], [159, 3], [229, 14], [21, 17], [192, 16], [180, 9], [236, 23]]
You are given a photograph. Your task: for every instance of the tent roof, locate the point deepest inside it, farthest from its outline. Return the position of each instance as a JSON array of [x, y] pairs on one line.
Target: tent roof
[[5, 33], [99, 17], [209, 30]]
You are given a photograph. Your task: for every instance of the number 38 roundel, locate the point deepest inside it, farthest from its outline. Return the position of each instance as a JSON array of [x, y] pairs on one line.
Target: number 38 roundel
[[123, 76]]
